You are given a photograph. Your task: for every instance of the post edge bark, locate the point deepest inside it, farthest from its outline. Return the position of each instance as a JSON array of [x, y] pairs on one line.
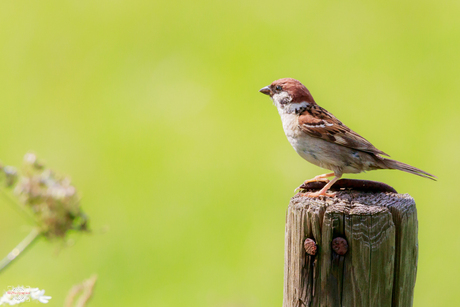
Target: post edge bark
[[379, 266]]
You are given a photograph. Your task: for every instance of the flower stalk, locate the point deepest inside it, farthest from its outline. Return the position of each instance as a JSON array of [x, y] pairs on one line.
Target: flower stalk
[[17, 251]]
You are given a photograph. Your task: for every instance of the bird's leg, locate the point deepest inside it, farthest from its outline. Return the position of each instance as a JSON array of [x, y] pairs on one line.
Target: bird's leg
[[323, 191], [322, 177]]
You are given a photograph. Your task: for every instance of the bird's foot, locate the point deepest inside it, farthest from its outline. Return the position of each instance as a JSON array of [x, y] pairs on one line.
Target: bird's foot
[[323, 191], [317, 194]]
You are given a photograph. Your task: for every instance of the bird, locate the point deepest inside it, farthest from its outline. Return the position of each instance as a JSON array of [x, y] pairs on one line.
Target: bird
[[323, 140]]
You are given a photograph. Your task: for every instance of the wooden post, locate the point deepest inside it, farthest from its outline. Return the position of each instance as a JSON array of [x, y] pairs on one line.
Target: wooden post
[[377, 269]]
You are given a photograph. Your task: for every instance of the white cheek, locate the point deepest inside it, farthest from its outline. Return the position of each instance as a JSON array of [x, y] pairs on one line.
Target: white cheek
[[279, 97]]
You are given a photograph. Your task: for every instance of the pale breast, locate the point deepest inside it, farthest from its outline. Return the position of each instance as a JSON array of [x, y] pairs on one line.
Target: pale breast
[[304, 145], [320, 152]]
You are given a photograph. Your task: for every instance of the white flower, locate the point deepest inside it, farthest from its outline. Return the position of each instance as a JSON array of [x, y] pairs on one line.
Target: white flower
[[30, 158], [39, 295], [35, 294]]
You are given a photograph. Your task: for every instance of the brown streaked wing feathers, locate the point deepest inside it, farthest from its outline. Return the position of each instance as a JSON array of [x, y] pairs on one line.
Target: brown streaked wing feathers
[[319, 123]]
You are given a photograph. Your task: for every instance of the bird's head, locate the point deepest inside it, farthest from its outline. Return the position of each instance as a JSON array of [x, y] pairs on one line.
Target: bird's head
[[287, 92]]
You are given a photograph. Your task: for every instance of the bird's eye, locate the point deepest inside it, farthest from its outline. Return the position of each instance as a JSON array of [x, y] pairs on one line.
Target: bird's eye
[[279, 88]]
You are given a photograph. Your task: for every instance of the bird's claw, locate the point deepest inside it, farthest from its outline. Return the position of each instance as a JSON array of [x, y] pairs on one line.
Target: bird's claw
[[304, 184], [298, 189]]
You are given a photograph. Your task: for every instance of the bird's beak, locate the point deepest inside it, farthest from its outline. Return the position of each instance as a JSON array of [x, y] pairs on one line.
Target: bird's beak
[[266, 90]]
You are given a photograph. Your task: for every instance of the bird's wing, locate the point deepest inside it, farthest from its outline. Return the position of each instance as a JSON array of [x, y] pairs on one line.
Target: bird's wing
[[317, 122]]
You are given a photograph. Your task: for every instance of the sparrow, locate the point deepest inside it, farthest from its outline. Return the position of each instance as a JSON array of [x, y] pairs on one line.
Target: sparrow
[[323, 140]]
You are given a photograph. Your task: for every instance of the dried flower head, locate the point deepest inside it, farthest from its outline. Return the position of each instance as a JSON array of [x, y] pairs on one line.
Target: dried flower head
[[52, 199], [11, 174]]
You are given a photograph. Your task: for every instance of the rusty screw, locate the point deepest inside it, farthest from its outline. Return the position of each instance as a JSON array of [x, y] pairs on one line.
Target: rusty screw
[[340, 246], [310, 246]]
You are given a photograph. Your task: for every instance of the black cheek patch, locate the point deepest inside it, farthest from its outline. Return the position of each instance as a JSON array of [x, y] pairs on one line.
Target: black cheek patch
[[285, 100]]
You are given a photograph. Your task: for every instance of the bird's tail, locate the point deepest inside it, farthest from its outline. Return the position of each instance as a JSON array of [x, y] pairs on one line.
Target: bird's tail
[[392, 164]]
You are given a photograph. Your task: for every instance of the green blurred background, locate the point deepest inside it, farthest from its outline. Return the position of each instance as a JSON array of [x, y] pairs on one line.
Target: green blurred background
[[152, 107]]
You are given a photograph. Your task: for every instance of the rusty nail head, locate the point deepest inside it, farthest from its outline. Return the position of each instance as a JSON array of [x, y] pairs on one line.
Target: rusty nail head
[[310, 246], [340, 246]]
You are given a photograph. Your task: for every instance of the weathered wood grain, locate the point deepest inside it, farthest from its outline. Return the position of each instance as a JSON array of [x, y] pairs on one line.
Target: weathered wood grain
[[380, 266]]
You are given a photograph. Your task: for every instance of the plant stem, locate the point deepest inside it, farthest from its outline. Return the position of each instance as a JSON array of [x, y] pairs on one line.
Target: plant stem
[[26, 242]]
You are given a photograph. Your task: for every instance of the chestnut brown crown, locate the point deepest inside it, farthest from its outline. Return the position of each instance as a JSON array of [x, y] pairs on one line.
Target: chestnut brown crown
[[293, 87]]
